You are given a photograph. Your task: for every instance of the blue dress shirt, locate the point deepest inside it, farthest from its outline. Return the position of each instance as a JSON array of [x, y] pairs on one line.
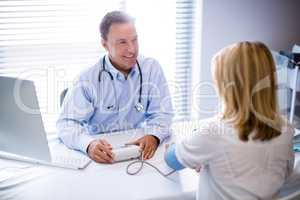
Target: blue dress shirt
[[92, 107]]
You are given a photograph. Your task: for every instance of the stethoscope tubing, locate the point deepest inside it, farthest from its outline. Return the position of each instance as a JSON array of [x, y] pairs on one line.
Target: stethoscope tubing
[[139, 106]]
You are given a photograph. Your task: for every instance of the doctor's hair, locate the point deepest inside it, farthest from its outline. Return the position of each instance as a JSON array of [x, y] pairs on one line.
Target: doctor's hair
[[245, 76], [114, 17]]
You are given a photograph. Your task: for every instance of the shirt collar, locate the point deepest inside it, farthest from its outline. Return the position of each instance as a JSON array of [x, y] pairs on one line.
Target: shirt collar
[[116, 73]]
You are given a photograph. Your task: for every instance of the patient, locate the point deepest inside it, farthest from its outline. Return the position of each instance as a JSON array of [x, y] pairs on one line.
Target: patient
[[245, 152]]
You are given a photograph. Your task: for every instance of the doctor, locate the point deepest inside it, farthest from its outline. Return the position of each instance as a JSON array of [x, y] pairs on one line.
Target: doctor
[[122, 91]]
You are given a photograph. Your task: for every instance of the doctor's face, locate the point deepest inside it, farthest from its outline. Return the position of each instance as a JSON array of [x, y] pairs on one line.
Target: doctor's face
[[122, 46]]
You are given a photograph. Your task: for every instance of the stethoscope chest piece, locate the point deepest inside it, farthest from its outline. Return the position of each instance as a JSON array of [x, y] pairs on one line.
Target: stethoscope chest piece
[[139, 107]]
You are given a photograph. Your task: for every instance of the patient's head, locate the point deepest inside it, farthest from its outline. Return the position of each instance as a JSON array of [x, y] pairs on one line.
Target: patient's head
[[244, 74]]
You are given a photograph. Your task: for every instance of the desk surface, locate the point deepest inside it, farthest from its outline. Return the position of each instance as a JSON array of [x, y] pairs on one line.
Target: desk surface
[[100, 181], [105, 181]]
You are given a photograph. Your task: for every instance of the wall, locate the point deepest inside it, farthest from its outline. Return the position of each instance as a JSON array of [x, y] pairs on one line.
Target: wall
[[274, 22]]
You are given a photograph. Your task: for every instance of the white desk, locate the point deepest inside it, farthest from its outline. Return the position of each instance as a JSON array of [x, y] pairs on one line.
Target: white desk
[[103, 181]]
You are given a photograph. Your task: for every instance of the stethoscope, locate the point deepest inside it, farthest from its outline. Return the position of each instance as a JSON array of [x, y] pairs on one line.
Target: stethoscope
[[138, 106]]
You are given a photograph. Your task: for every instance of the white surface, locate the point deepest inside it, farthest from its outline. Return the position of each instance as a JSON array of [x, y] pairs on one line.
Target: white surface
[[61, 156], [103, 181], [100, 181]]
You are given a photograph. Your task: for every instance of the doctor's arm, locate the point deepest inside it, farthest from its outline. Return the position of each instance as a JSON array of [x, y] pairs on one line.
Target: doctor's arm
[[76, 111], [158, 113]]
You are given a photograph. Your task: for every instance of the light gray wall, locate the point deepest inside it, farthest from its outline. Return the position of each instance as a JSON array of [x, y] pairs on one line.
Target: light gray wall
[[274, 22]]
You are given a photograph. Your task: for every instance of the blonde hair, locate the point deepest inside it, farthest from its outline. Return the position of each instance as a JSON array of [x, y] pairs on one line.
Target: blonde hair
[[245, 76]]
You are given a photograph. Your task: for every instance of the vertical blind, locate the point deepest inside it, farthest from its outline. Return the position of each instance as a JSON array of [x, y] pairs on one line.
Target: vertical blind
[[51, 41], [184, 52]]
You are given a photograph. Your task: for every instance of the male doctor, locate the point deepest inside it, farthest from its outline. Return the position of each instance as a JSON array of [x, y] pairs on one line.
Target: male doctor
[[122, 91]]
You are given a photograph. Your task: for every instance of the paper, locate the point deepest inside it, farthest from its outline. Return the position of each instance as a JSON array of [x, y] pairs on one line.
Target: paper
[[296, 49]]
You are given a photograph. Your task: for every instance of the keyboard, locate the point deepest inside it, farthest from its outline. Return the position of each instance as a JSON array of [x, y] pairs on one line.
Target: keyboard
[[73, 162]]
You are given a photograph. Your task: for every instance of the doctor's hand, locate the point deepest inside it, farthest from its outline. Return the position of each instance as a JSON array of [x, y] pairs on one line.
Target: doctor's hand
[[100, 151], [148, 145]]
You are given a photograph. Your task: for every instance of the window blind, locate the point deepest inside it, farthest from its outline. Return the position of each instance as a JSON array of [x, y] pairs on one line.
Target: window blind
[[185, 11], [50, 42]]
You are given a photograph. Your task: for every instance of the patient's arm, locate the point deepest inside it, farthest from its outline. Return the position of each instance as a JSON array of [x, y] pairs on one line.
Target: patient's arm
[[171, 159]]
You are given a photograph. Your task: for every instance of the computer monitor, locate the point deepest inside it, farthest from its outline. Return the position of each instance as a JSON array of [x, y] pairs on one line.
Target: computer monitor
[[21, 127]]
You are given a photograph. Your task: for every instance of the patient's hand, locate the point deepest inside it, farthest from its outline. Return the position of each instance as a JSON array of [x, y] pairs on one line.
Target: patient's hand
[[100, 151], [148, 145]]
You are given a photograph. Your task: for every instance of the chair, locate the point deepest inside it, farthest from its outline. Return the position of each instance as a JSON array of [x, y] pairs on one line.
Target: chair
[[62, 96]]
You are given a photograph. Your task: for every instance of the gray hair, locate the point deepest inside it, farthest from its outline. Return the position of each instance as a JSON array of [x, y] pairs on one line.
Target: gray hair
[[114, 17]]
